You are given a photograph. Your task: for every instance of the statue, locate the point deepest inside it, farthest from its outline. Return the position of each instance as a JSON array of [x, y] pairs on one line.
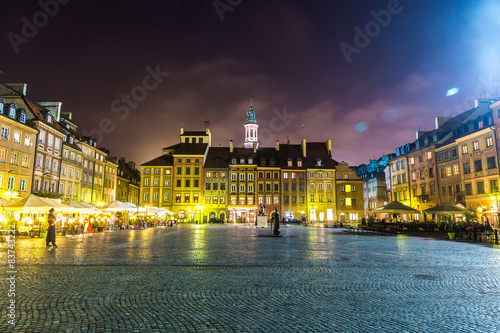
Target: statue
[[262, 211]]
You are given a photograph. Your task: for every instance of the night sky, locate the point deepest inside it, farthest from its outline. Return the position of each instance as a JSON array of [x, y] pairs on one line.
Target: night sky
[[286, 55]]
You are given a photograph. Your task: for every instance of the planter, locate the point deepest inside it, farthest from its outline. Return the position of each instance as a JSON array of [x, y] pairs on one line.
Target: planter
[[43, 234], [451, 235]]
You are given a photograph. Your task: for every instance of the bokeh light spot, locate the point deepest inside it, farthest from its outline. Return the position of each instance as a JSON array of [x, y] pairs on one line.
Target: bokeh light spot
[[361, 127], [390, 115], [452, 91]]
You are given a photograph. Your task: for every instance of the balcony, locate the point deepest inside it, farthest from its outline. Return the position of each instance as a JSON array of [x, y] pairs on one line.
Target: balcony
[[423, 198]]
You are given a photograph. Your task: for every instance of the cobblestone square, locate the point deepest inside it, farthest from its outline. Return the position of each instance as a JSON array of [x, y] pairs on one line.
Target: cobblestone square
[[231, 278]]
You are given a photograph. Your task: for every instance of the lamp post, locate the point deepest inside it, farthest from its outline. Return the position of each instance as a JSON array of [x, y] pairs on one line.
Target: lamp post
[[200, 208]]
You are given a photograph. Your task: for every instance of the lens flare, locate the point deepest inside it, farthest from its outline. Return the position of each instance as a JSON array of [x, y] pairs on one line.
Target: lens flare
[[361, 127], [452, 91], [390, 115]]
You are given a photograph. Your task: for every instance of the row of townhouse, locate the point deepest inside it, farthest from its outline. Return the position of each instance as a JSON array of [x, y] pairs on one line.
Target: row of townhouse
[[302, 181], [41, 152], [457, 162]]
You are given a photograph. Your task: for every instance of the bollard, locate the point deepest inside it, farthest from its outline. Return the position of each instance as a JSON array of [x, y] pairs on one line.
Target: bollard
[[276, 224], [496, 236]]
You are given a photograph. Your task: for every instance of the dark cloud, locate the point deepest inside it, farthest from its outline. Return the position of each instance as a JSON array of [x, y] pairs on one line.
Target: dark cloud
[[283, 54]]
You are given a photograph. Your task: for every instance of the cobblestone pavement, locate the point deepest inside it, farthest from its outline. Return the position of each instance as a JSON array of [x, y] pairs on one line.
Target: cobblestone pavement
[[221, 278]]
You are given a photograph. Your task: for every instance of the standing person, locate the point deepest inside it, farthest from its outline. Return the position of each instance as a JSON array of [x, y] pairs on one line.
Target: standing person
[[51, 232]]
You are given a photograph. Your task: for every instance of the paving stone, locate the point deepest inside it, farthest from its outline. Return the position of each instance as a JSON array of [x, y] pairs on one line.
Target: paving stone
[[211, 278]]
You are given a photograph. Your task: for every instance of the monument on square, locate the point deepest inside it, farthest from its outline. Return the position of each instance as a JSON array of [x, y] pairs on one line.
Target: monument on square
[[262, 217]]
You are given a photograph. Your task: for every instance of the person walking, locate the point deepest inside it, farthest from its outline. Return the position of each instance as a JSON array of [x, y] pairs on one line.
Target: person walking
[[51, 232]]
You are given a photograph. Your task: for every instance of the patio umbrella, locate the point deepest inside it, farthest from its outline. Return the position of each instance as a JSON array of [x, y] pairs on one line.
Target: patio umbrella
[[34, 204], [395, 207], [444, 208], [118, 206], [83, 208]]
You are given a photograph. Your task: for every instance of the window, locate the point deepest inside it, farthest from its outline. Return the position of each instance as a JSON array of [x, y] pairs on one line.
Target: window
[[27, 141], [178, 197], [197, 171], [77, 174], [277, 187], [233, 188], [69, 189], [299, 162], [22, 118], [398, 165], [289, 162], [478, 166], [491, 163], [70, 172], [353, 188], [320, 186], [353, 202], [342, 188], [429, 155], [195, 197], [447, 155], [413, 176], [311, 186], [197, 183], [156, 182], [250, 188], [464, 149], [50, 139], [411, 160], [242, 188], [10, 185], [187, 196], [17, 137], [448, 171], [443, 191], [285, 187], [13, 158], [242, 176], [146, 181], [188, 171], [312, 197], [342, 202], [489, 142], [223, 186], [453, 153], [493, 186], [64, 171], [285, 175], [233, 176], [466, 168], [179, 171], [5, 133], [26, 161], [148, 171], [250, 176], [450, 190], [476, 145], [320, 174], [57, 143], [480, 187], [157, 171], [328, 186], [420, 158]]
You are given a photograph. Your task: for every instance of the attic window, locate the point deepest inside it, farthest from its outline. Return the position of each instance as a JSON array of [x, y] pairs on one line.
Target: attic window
[[318, 161], [263, 161], [242, 161], [70, 139], [217, 159], [22, 117], [12, 112], [426, 141], [271, 161], [299, 162], [289, 162], [49, 118], [250, 161], [233, 161]]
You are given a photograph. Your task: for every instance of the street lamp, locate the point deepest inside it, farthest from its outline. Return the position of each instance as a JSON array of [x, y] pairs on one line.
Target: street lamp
[[200, 208]]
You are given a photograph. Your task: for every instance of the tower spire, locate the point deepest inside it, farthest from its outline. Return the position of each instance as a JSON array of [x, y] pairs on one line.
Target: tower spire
[[251, 127]]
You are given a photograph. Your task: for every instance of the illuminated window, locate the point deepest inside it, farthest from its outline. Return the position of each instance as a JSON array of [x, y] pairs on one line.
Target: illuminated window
[[489, 142], [476, 145]]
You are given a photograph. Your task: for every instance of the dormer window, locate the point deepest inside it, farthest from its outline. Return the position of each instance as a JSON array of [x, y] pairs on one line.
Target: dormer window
[[417, 144], [233, 161], [250, 161], [299, 162], [271, 161], [480, 124], [242, 161], [263, 161], [22, 117], [2, 102], [12, 111], [426, 141], [289, 162], [49, 118], [71, 139], [435, 137], [318, 161]]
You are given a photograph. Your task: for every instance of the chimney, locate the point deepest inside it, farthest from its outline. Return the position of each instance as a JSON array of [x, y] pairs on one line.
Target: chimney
[[182, 130], [329, 147], [131, 164], [277, 145], [231, 146], [55, 107], [440, 121], [418, 134], [69, 115], [304, 153], [19, 87], [255, 147]]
